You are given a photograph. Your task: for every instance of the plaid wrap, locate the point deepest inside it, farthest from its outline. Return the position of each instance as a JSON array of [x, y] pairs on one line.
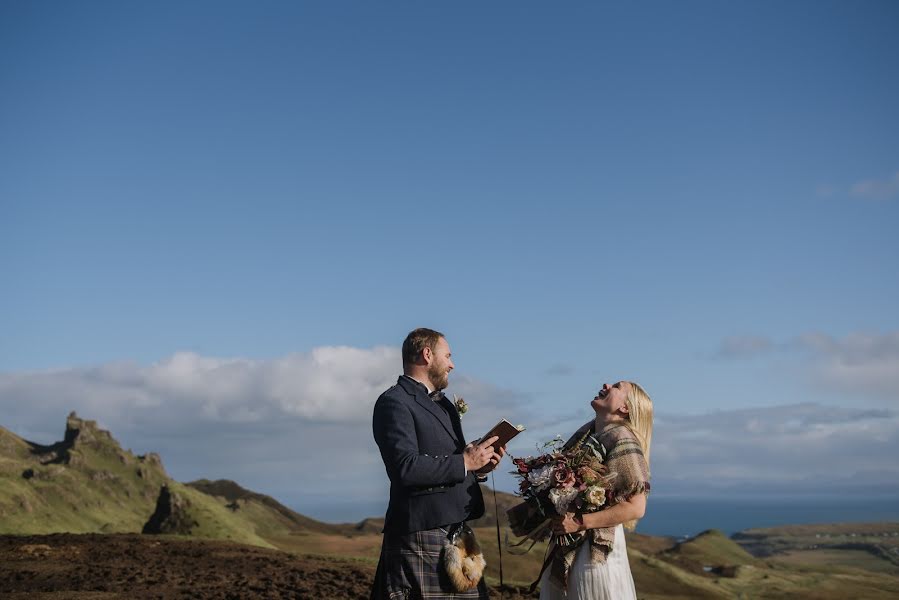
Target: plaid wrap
[[411, 568], [622, 454]]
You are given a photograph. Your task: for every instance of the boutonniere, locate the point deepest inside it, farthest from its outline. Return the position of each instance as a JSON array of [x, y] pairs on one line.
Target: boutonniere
[[461, 406]]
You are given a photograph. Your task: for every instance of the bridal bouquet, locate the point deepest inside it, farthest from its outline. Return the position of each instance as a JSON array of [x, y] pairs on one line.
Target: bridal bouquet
[[554, 483]]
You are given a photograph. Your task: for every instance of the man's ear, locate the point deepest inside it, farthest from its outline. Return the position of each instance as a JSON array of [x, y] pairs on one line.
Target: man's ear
[[427, 355]]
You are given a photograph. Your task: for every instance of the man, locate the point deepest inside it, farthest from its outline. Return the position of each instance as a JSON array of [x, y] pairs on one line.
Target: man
[[433, 473]]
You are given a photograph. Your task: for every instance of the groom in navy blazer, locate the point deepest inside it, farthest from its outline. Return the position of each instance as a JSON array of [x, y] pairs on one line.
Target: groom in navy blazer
[[433, 473]]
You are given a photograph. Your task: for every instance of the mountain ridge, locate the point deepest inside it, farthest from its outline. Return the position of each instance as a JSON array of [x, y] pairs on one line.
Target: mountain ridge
[[88, 483]]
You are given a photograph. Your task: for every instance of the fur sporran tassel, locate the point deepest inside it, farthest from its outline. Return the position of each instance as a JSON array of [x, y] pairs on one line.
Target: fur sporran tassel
[[463, 559]]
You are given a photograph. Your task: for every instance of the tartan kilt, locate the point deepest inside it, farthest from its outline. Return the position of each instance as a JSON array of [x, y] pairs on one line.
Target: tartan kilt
[[410, 568]]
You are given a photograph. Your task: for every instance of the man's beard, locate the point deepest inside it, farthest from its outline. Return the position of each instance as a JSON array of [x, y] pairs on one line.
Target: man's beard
[[439, 377]]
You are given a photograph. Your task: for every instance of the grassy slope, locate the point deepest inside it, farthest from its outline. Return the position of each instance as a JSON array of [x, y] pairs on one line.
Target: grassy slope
[[269, 516], [99, 488], [216, 521], [12, 447], [92, 485], [711, 548], [837, 560], [754, 578]]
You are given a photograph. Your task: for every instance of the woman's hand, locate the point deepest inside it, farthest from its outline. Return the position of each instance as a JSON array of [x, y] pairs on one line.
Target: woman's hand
[[570, 523]]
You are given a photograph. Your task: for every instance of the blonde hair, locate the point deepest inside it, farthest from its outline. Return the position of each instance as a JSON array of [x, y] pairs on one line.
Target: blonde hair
[[639, 417], [639, 421]]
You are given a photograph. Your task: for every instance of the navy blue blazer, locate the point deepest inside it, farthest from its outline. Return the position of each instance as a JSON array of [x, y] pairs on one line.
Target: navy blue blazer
[[422, 446]]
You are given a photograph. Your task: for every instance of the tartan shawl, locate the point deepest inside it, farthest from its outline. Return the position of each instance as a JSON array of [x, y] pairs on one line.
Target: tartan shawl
[[622, 454]]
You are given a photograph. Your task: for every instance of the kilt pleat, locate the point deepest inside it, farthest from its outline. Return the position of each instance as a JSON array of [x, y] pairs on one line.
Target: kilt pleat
[[410, 568]]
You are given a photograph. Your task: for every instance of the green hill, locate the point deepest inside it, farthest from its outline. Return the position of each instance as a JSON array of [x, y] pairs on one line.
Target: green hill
[[710, 550], [85, 483], [267, 514]]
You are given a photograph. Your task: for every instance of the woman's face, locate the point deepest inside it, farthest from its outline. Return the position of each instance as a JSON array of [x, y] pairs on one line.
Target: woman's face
[[612, 399]]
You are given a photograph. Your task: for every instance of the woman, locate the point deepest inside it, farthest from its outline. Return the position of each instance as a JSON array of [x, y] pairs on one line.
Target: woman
[[598, 569]]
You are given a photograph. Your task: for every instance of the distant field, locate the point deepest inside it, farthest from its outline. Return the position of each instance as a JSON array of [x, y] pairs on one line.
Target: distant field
[[886, 530], [856, 559], [366, 548]]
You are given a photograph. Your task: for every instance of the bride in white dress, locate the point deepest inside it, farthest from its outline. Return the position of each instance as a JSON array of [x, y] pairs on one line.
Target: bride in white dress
[[598, 569]]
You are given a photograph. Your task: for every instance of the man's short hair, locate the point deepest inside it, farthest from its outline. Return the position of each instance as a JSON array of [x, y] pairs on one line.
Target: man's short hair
[[417, 341]]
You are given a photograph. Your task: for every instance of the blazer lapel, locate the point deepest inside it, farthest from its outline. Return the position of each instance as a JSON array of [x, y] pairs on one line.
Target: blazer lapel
[[457, 422], [437, 411], [422, 398]]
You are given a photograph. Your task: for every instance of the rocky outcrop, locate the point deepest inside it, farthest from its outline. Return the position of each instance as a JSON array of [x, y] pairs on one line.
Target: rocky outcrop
[[171, 515], [84, 432], [79, 433], [370, 525]]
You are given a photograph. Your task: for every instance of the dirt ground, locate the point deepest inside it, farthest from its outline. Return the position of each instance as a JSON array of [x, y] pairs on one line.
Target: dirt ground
[[95, 566]]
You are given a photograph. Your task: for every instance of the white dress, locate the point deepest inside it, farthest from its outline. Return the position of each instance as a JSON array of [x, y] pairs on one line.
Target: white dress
[[611, 580]]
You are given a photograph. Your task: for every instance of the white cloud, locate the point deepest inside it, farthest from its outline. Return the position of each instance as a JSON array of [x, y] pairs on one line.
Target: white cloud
[[299, 427], [861, 362], [877, 189], [295, 426], [772, 451], [780, 449], [866, 363], [336, 384]]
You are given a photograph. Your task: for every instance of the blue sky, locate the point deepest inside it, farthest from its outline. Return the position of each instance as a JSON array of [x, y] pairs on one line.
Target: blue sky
[[699, 196]]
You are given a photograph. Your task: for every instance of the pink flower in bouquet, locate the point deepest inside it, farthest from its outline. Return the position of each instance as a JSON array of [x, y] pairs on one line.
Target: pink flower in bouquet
[[564, 477]]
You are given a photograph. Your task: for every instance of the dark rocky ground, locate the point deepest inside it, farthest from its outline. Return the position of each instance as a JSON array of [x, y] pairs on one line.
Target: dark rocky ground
[[96, 566]]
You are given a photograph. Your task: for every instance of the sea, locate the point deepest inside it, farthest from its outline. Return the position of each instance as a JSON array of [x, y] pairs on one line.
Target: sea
[[685, 517]]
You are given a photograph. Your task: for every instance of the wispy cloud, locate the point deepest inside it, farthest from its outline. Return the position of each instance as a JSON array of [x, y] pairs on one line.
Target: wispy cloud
[[859, 362], [826, 190], [778, 449], [769, 451], [877, 189], [559, 370]]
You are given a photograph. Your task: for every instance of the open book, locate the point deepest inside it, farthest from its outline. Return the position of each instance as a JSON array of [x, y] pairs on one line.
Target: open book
[[505, 430]]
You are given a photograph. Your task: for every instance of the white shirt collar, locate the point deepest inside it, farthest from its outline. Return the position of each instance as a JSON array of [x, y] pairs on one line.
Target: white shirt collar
[[427, 387]]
